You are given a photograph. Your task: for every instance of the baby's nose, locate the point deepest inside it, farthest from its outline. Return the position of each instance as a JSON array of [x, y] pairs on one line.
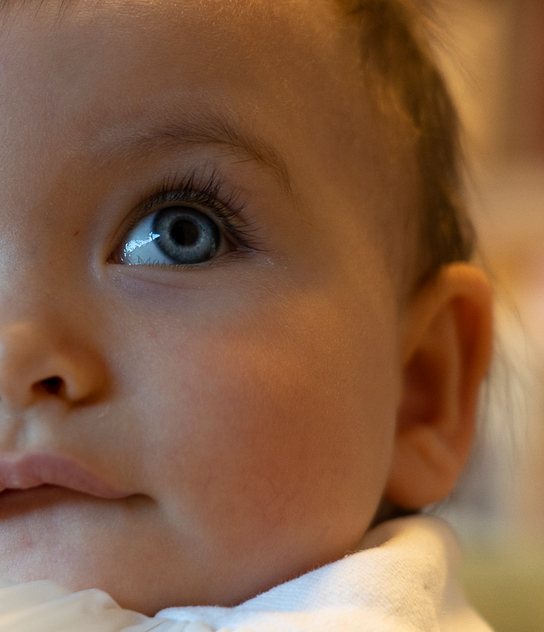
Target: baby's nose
[[36, 364]]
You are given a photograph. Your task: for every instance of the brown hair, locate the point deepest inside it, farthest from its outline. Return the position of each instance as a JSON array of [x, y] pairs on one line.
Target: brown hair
[[400, 68]]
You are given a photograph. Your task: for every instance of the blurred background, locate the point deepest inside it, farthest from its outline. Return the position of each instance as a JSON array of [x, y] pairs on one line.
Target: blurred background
[[493, 55]]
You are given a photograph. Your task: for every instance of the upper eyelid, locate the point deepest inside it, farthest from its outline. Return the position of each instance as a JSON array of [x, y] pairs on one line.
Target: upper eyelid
[[208, 193], [195, 188]]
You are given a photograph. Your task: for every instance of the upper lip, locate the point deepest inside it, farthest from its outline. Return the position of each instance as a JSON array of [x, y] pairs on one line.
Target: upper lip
[[33, 470]]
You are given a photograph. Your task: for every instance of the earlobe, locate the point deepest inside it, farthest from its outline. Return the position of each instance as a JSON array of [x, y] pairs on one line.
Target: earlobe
[[446, 349]]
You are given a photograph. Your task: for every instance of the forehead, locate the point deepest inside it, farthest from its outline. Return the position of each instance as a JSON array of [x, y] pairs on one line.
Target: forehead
[[280, 55], [90, 65], [227, 46]]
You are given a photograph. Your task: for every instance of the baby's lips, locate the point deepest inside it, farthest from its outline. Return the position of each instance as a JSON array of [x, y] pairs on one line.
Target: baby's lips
[[20, 472]]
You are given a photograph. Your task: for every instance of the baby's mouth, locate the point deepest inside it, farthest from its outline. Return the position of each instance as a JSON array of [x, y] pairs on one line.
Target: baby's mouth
[[37, 470]]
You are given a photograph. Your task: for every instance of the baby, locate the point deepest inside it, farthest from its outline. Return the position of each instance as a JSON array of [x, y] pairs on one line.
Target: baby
[[239, 336]]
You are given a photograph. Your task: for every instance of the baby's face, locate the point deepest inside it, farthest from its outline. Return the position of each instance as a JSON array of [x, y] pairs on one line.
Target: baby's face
[[197, 303]]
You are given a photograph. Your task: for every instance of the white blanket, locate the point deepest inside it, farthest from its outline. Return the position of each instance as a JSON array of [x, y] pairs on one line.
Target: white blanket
[[403, 580]]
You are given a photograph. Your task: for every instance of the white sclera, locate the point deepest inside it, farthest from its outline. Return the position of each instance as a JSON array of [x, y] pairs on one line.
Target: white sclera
[[140, 247]]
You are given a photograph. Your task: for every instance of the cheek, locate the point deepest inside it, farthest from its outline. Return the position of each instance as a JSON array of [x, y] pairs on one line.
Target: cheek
[[275, 423]]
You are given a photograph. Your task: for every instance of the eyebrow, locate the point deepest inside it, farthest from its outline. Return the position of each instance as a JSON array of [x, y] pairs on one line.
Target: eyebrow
[[214, 131]]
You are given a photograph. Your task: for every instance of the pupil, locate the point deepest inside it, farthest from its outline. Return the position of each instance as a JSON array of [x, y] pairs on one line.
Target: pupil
[[184, 233]]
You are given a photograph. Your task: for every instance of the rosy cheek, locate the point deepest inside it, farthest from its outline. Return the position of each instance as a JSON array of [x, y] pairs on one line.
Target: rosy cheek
[[265, 426]]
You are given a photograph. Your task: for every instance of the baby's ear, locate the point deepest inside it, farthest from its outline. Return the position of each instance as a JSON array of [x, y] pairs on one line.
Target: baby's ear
[[446, 349]]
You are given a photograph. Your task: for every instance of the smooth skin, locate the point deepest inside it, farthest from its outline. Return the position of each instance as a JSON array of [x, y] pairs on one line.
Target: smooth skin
[[257, 409]]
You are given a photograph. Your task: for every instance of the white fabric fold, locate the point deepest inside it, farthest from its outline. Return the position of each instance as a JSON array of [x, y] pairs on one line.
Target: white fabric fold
[[403, 580]]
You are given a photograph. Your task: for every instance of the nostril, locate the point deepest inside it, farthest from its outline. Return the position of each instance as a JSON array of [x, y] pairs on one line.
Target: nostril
[[52, 385]]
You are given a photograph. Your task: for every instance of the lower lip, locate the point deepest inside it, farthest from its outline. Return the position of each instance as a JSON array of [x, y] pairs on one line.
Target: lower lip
[[18, 501]]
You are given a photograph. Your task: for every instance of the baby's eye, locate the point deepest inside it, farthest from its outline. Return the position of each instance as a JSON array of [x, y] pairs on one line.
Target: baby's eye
[[176, 235]]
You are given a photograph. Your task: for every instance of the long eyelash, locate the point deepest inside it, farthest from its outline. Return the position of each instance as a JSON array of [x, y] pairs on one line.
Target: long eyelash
[[207, 192]]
